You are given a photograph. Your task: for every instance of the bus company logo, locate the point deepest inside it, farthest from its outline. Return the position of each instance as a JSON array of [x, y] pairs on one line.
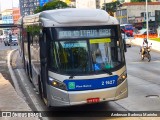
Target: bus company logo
[[6, 114], [71, 85]]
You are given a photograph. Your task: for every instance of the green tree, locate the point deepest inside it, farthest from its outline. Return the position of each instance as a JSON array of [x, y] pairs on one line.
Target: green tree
[[39, 9], [55, 4], [111, 7], [140, 0]]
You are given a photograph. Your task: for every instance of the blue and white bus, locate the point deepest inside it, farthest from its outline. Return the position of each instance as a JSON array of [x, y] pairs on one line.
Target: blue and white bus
[[74, 56]]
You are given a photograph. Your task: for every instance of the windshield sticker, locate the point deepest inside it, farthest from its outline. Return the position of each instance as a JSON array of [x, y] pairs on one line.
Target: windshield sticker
[[74, 45], [104, 40]]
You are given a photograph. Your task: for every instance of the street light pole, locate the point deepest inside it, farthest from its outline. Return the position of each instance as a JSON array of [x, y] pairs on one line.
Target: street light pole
[[147, 18], [105, 4]]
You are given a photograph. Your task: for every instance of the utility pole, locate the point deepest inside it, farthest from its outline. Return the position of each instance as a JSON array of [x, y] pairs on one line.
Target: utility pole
[[147, 18], [105, 5]]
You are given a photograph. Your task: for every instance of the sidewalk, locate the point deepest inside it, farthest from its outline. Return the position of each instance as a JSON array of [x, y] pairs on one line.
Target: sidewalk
[[10, 101], [155, 44]]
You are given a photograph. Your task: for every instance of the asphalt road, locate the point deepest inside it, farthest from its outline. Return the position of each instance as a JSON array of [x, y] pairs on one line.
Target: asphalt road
[[4, 50], [143, 80], [2, 47]]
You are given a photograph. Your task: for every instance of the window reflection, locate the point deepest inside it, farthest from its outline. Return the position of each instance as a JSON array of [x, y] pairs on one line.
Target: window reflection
[[105, 55], [71, 56]]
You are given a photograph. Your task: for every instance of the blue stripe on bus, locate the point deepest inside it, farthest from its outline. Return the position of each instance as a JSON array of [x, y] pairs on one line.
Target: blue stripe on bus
[[91, 84]]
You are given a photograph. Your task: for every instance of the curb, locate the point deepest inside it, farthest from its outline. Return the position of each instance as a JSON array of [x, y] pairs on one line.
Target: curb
[[15, 83]]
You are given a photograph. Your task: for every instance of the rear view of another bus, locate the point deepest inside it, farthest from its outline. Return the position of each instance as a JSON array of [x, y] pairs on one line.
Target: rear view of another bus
[[128, 29]]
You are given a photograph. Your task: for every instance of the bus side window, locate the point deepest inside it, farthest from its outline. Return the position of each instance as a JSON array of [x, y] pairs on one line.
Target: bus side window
[[53, 56]]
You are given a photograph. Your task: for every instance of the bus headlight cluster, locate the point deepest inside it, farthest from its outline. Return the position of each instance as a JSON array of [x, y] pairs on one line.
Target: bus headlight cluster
[[122, 77], [57, 84]]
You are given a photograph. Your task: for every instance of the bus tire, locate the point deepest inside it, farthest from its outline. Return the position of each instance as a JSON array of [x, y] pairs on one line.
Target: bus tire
[[27, 70], [48, 103], [40, 87], [45, 100]]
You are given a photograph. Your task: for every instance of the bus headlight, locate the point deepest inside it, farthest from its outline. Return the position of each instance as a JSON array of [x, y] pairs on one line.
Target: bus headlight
[[122, 77], [57, 84]]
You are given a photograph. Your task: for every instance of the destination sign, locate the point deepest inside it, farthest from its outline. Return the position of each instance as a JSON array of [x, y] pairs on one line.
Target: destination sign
[[90, 33]]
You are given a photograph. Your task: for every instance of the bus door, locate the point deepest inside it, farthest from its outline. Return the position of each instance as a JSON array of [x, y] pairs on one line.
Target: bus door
[[29, 55], [43, 63]]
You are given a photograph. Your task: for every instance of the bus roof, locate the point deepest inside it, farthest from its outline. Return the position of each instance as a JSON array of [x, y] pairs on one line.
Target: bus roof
[[71, 17]]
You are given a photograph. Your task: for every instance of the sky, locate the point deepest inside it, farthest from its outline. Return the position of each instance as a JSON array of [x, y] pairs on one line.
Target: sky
[[7, 4]]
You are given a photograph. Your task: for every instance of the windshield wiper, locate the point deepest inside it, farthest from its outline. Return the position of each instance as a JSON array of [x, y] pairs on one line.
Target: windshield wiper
[[107, 71], [71, 77]]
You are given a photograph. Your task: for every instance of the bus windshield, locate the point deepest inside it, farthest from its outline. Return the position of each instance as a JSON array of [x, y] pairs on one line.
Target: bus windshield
[[86, 50]]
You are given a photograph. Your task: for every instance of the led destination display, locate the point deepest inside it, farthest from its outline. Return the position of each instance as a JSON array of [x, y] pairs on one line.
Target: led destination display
[[90, 33]]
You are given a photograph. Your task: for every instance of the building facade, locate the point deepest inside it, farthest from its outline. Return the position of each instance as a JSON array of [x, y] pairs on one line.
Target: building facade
[[27, 7], [86, 4], [95, 4], [135, 13], [16, 15], [7, 17], [71, 3]]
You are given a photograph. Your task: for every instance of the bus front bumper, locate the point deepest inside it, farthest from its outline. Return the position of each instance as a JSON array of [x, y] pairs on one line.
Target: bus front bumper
[[59, 97]]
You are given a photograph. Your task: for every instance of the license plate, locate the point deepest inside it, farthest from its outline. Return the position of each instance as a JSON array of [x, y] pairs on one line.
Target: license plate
[[92, 100]]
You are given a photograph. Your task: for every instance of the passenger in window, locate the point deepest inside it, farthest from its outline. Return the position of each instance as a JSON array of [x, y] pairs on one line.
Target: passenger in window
[[98, 61], [98, 56]]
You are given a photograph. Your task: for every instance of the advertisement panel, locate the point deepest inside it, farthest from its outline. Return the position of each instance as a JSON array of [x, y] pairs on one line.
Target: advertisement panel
[[42, 2]]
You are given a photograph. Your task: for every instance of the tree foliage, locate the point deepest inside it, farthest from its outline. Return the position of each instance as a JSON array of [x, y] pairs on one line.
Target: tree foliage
[[111, 7], [55, 4], [140, 0]]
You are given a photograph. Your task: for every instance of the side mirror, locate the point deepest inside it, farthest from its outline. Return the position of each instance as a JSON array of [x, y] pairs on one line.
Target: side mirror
[[125, 47], [122, 31]]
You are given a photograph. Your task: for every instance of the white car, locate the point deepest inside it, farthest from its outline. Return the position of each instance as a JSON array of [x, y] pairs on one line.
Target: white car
[[2, 37], [127, 39]]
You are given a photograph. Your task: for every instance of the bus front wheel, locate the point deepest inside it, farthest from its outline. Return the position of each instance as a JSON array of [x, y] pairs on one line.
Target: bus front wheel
[[45, 100]]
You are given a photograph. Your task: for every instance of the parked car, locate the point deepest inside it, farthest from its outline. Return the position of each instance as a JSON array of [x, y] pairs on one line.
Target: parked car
[[127, 39], [2, 37], [14, 41]]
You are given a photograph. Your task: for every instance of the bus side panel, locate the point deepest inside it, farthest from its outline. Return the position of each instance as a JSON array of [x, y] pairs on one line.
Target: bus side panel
[[25, 51], [43, 62], [35, 59]]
